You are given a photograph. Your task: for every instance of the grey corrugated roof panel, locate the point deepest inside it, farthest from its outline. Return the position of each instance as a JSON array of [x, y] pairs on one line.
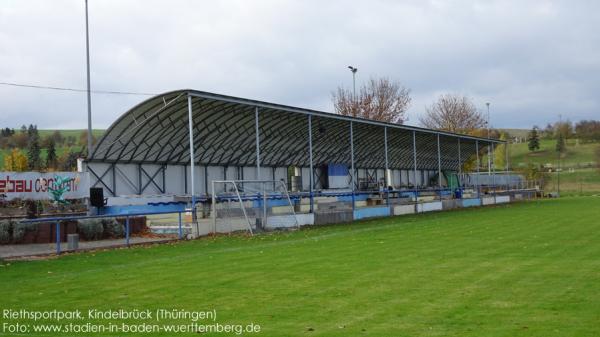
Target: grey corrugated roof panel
[[155, 131]]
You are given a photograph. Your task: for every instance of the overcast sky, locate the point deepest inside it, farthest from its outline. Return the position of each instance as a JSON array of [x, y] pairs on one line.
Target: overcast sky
[[533, 60]]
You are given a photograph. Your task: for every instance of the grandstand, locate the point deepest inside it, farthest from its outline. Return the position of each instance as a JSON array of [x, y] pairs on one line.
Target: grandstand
[[225, 159]]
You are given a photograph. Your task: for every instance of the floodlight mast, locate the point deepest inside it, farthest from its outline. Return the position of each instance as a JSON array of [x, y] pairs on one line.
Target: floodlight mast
[[89, 96], [353, 70], [488, 135]]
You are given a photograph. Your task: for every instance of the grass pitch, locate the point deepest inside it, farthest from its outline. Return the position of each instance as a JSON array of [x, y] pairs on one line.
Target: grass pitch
[[530, 269]]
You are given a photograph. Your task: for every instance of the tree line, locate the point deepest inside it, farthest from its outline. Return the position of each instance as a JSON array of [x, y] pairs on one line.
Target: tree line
[[386, 100], [26, 150], [586, 131]]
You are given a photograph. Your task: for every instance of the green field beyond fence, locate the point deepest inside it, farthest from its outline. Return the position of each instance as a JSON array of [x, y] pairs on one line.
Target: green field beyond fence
[[529, 269], [576, 154]]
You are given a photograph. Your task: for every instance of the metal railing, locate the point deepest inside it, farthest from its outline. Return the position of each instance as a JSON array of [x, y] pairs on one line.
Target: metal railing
[[127, 216]]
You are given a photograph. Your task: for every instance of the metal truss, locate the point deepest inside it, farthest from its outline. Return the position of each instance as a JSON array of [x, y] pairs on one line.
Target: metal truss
[[236, 132]]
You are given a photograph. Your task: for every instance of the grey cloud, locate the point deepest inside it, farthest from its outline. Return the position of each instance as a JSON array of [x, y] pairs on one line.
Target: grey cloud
[[532, 60]]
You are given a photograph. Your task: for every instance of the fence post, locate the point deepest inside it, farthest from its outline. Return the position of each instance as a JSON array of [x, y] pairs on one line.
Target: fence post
[[180, 229], [127, 230], [58, 238], [264, 224]]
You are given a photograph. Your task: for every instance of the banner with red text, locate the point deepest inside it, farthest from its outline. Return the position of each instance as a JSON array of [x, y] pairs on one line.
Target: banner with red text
[[55, 186]]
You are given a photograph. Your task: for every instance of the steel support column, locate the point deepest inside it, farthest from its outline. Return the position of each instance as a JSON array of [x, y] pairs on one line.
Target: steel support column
[[439, 155], [352, 162], [459, 168], [477, 154], [256, 128], [415, 163], [192, 158], [206, 179], [385, 175], [310, 159], [185, 184], [489, 157], [114, 179], [140, 179], [507, 165], [164, 179], [493, 166]]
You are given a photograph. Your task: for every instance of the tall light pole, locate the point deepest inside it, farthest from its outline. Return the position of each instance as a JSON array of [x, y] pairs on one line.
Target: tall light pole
[[560, 135], [89, 96], [353, 70], [488, 135]]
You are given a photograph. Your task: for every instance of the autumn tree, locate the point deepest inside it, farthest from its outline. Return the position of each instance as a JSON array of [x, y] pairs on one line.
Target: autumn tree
[[83, 140], [68, 160], [454, 113], [588, 130], [380, 99], [19, 140], [563, 128], [15, 161]]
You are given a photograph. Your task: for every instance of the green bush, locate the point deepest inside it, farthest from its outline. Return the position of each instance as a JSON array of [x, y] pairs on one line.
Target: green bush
[[19, 230], [5, 230], [90, 229], [112, 228]]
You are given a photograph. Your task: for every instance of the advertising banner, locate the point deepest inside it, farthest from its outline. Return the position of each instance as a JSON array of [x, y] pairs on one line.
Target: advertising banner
[[55, 186]]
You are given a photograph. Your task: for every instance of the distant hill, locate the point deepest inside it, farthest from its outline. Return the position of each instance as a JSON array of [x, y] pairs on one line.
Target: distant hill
[[70, 132]]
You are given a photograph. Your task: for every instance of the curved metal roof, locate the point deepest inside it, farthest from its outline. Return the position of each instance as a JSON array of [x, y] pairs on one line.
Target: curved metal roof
[[156, 131]]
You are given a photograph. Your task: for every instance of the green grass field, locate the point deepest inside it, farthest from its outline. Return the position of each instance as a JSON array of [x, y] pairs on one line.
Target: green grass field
[[529, 269], [581, 180]]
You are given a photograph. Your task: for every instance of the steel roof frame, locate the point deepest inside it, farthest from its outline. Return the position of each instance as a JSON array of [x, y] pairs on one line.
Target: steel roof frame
[[154, 132]]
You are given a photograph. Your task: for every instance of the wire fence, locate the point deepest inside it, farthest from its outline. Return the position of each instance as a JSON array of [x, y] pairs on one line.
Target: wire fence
[[247, 206]]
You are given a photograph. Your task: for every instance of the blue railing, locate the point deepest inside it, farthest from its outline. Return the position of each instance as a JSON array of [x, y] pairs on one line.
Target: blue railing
[[57, 220]]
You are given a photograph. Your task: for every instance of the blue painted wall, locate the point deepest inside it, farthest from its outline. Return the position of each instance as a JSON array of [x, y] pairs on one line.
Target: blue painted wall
[[471, 202], [371, 212], [150, 208]]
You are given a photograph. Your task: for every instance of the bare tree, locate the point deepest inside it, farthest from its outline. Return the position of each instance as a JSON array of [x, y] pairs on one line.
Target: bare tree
[[379, 99], [454, 113]]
